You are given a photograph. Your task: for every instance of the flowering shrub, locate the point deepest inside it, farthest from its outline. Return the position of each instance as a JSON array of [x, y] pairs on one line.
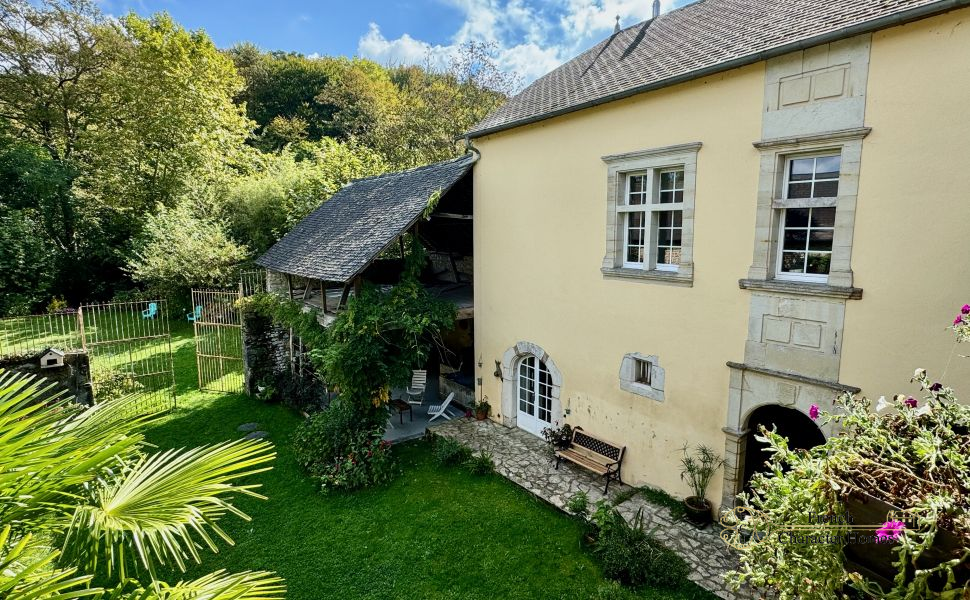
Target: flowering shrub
[[367, 462], [905, 452]]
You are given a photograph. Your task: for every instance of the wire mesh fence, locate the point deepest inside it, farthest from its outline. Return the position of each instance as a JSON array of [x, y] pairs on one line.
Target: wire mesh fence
[[26, 336], [218, 340], [130, 352]]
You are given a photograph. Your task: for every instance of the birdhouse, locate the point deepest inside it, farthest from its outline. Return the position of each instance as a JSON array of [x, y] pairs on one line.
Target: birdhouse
[[51, 358]]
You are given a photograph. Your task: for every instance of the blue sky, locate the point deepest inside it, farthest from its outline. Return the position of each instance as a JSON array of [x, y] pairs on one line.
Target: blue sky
[[531, 36]]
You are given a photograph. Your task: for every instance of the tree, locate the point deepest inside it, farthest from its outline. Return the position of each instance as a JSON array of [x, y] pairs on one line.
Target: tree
[[179, 250], [86, 502]]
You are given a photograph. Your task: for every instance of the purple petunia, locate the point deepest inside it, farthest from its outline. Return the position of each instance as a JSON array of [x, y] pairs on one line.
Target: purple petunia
[[966, 309], [813, 412], [936, 387], [890, 531], [958, 320], [910, 402]]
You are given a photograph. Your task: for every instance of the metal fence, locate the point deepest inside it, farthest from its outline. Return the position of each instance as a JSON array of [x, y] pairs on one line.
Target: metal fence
[[130, 351], [252, 282], [218, 340], [26, 336]]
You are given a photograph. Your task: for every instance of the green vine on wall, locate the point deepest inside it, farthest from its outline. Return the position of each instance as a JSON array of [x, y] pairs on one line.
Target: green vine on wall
[[375, 343]]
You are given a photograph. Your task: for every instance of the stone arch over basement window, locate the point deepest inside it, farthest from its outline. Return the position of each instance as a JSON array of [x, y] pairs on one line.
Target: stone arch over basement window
[[510, 375]]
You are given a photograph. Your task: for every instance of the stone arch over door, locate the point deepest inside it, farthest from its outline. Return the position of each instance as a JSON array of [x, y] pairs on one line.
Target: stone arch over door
[[801, 431], [510, 362]]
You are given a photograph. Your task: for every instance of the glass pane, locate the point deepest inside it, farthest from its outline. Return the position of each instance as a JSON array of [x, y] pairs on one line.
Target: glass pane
[[680, 179], [635, 237], [667, 197], [820, 240], [826, 189], [801, 169], [675, 238], [669, 256], [819, 263], [636, 183], [823, 217], [663, 218], [679, 196], [795, 239], [634, 219], [827, 167], [634, 254], [793, 262], [797, 217], [667, 180], [663, 237], [799, 190], [678, 218]]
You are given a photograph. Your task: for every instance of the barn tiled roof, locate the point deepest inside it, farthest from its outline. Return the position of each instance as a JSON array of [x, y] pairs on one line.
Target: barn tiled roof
[[336, 241], [699, 39]]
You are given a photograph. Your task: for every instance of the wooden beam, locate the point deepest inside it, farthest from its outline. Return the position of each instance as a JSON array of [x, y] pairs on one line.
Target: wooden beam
[[323, 295], [289, 285], [343, 296], [453, 216]]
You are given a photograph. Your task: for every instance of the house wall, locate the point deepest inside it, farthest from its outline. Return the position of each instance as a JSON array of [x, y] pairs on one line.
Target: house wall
[[540, 217]]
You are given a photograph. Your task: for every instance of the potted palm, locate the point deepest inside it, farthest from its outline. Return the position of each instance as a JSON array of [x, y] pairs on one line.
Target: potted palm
[[698, 469]]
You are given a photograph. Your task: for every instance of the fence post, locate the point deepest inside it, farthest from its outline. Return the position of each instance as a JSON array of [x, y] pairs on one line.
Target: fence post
[[80, 328]]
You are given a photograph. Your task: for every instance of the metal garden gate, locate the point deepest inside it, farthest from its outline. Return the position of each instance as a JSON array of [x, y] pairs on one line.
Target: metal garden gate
[[218, 340], [129, 350]]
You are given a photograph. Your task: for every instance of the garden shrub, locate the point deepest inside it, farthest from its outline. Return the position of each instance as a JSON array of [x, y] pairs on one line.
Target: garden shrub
[[578, 504], [636, 558], [343, 447], [482, 464], [450, 453]]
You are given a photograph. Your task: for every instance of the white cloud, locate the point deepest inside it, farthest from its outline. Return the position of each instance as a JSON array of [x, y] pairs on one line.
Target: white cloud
[[532, 37]]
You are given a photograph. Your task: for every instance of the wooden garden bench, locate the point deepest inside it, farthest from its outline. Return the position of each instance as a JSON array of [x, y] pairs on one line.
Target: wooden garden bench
[[593, 453]]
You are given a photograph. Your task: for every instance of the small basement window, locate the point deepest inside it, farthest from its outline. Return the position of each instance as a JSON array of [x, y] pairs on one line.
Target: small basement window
[[643, 369]]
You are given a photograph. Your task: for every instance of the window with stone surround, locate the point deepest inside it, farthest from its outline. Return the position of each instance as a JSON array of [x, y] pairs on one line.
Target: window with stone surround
[[642, 375], [650, 200], [806, 213]]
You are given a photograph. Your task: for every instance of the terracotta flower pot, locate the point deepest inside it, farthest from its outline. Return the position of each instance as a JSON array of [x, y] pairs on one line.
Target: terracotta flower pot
[[698, 510], [481, 415]]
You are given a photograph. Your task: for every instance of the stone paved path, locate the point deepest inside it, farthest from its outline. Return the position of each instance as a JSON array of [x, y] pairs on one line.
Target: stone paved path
[[527, 461]]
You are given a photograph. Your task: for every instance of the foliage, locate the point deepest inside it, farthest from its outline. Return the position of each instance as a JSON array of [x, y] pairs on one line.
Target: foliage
[[180, 249], [698, 469], [82, 478], [634, 557], [367, 462], [114, 384], [578, 504], [449, 452], [906, 452], [558, 437], [482, 407], [262, 206], [326, 435], [482, 463]]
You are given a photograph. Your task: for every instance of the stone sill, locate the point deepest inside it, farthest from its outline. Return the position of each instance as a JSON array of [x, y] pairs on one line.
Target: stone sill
[[832, 385], [668, 277], [801, 288]]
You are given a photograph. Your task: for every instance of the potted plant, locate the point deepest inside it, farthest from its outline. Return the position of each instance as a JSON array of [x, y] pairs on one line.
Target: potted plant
[[482, 408], [698, 469], [558, 437]]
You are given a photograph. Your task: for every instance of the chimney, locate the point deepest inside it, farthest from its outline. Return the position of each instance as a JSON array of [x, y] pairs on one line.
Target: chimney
[[656, 8]]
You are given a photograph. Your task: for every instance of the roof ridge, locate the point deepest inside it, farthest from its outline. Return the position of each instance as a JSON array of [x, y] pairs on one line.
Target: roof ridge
[[389, 174]]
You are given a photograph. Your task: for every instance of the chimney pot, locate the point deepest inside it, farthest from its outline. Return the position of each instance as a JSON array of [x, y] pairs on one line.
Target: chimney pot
[[656, 8]]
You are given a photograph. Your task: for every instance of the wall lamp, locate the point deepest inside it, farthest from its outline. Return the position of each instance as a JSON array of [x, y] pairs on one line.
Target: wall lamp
[[498, 369]]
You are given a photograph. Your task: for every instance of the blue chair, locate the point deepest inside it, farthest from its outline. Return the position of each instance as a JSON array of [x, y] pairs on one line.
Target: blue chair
[[151, 312], [194, 316]]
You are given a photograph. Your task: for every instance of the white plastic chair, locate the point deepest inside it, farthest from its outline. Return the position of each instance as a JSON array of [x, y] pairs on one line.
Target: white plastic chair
[[419, 382], [438, 410]]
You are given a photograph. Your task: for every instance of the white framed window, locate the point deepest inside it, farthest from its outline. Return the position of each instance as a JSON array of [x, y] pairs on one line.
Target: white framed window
[[652, 215], [642, 375], [806, 228]]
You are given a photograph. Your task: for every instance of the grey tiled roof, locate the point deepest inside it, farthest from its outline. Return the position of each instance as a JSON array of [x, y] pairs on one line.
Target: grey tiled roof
[[337, 240], [699, 39]]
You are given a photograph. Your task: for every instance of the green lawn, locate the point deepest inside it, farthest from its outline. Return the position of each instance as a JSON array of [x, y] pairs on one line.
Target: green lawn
[[432, 533]]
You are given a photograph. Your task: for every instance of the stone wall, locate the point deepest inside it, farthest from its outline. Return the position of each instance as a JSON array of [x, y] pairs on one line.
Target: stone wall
[[74, 377], [266, 351]]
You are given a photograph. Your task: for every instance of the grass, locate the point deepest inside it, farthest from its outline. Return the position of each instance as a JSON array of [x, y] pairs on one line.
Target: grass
[[432, 533]]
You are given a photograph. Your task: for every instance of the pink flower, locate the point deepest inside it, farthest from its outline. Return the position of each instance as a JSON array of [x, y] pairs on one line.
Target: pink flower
[[966, 309], [910, 402], [958, 320], [813, 412], [890, 531]]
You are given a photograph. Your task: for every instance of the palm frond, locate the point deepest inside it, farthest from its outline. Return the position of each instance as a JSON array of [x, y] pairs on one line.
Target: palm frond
[[27, 572], [162, 509], [248, 585]]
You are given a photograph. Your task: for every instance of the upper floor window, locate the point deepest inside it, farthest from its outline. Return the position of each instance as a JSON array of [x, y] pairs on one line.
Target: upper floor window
[[652, 218], [650, 214], [807, 226]]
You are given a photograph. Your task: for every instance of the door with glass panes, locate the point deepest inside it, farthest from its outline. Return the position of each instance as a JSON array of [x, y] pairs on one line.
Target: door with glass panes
[[535, 401]]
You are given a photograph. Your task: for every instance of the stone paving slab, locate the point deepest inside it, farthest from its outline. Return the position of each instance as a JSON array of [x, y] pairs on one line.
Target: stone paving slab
[[526, 460]]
